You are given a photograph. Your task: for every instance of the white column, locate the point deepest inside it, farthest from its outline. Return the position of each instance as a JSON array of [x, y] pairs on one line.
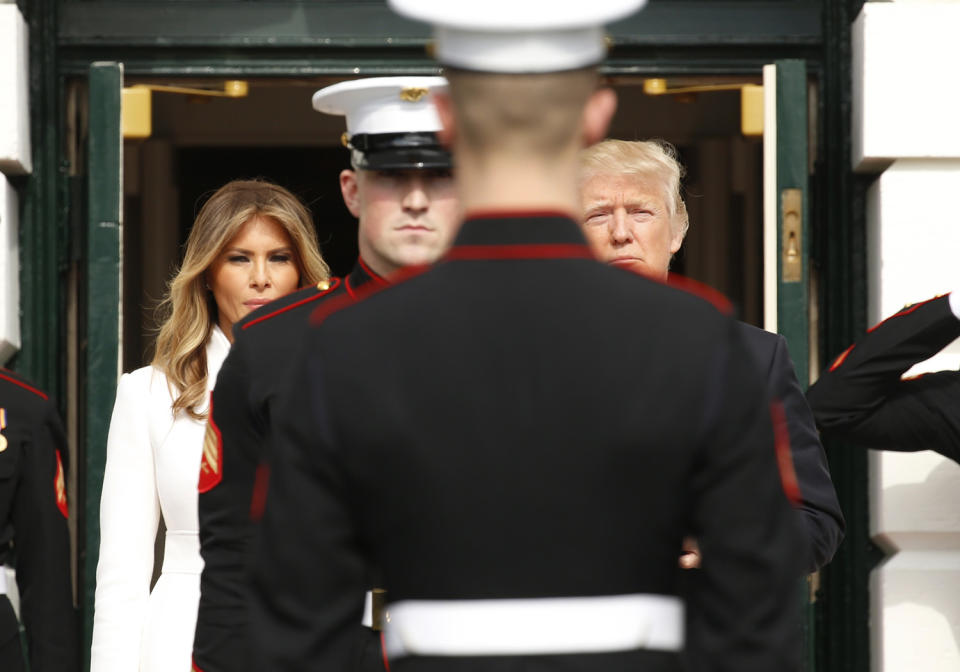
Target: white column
[[906, 110], [14, 160]]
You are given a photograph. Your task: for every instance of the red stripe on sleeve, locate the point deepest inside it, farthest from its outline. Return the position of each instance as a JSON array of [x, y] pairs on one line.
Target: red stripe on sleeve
[[258, 500], [788, 475]]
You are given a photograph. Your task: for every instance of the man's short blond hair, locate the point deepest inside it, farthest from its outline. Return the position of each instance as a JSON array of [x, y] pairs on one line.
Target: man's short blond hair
[[654, 160], [536, 115]]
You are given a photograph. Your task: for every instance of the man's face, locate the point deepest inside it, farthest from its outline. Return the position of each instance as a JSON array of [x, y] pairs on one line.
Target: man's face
[[627, 223], [407, 217]]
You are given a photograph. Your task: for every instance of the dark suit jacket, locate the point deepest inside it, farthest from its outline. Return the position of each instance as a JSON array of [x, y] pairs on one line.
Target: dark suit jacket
[[819, 508], [863, 399], [523, 421]]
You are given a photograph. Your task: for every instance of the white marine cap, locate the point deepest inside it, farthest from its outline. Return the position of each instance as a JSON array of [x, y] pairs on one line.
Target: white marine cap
[[391, 121], [518, 36]]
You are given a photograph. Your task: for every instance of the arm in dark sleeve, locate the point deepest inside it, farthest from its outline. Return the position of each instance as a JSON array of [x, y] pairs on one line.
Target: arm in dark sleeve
[[309, 574], [863, 398], [818, 508], [235, 430], [43, 549], [747, 529]]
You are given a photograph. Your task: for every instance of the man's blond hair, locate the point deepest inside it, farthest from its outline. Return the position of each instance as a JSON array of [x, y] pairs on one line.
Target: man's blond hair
[[654, 160], [535, 115]]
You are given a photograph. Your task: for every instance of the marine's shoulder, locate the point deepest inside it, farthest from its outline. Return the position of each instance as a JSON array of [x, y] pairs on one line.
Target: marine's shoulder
[[296, 305], [18, 392], [757, 337]]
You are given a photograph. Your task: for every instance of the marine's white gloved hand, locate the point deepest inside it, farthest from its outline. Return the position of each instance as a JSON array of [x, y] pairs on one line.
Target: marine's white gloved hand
[[955, 303]]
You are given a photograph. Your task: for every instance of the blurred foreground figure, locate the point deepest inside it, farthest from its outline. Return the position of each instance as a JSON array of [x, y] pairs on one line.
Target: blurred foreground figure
[[634, 217], [506, 436], [862, 397], [400, 188], [33, 525]]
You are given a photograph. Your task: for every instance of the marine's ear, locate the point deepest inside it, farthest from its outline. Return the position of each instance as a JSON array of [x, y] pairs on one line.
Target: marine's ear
[[350, 189], [597, 115], [448, 127]]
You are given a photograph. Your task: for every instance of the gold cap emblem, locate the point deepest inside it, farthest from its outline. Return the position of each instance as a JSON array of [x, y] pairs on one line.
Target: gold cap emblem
[[345, 139], [323, 285], [413, 94]]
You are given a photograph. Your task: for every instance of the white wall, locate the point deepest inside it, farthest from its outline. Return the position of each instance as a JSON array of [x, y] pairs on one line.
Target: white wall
[[14, 160], [906, 108], [9, 273]]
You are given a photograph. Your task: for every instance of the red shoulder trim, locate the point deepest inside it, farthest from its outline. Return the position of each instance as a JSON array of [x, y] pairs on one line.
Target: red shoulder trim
[[516, 214], [295, 304], [841, 358], [781, 434], [535, 251], [705, 292], [906, 310], [193, 666], [328, 308], [29, 388]]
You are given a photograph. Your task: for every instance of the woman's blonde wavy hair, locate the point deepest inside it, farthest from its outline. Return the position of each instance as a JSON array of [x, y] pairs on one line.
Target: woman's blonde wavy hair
[[189, 308]]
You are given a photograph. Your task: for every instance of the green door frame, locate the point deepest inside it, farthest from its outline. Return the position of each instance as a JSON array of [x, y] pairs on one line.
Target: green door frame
[[243, 39], [104, 252]]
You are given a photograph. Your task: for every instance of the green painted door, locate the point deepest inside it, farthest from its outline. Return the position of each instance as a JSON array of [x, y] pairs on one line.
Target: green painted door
[[786, 242], [101, 355]]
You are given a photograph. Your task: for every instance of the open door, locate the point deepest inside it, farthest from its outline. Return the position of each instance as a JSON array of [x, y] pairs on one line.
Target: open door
[[101, 314], [786, 241]]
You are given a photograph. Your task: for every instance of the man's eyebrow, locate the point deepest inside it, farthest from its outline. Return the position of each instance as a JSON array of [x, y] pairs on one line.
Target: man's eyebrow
[[598, 203]]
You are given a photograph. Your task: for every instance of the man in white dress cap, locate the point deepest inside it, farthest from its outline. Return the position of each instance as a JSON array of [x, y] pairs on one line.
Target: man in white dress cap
[[400, 189], [542, 430]]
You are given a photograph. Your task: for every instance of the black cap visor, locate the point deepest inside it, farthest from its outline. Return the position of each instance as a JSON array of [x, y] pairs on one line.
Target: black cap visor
[[399, 151]]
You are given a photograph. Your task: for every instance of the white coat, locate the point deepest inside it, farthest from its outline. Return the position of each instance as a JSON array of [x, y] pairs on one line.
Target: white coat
[[153, 465]]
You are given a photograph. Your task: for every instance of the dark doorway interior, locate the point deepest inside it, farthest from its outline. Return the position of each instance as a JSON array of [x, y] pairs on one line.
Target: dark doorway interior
[[309, 172]]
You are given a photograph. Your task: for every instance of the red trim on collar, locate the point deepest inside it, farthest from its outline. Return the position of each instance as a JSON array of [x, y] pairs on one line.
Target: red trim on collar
[[906, 311], [532, 251], [297, 304], [516, 214], [374, 276], [705, 292], [25, 386]]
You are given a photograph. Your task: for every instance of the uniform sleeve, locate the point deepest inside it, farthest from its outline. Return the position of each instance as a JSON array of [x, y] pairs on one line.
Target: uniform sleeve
[[222, 636], [43, 549], [748, 533], [129, 515], [819, 509], [305, 612], [863, 398]]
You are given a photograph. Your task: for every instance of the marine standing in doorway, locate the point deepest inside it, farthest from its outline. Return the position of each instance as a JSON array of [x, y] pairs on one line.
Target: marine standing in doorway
[[400, 189]]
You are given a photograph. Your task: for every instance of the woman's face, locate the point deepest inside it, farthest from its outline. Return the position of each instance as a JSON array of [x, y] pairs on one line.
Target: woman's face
[[257, 266]]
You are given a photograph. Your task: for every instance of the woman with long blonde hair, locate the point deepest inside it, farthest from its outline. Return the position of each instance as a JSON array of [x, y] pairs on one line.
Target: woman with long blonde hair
[[251, 243]]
